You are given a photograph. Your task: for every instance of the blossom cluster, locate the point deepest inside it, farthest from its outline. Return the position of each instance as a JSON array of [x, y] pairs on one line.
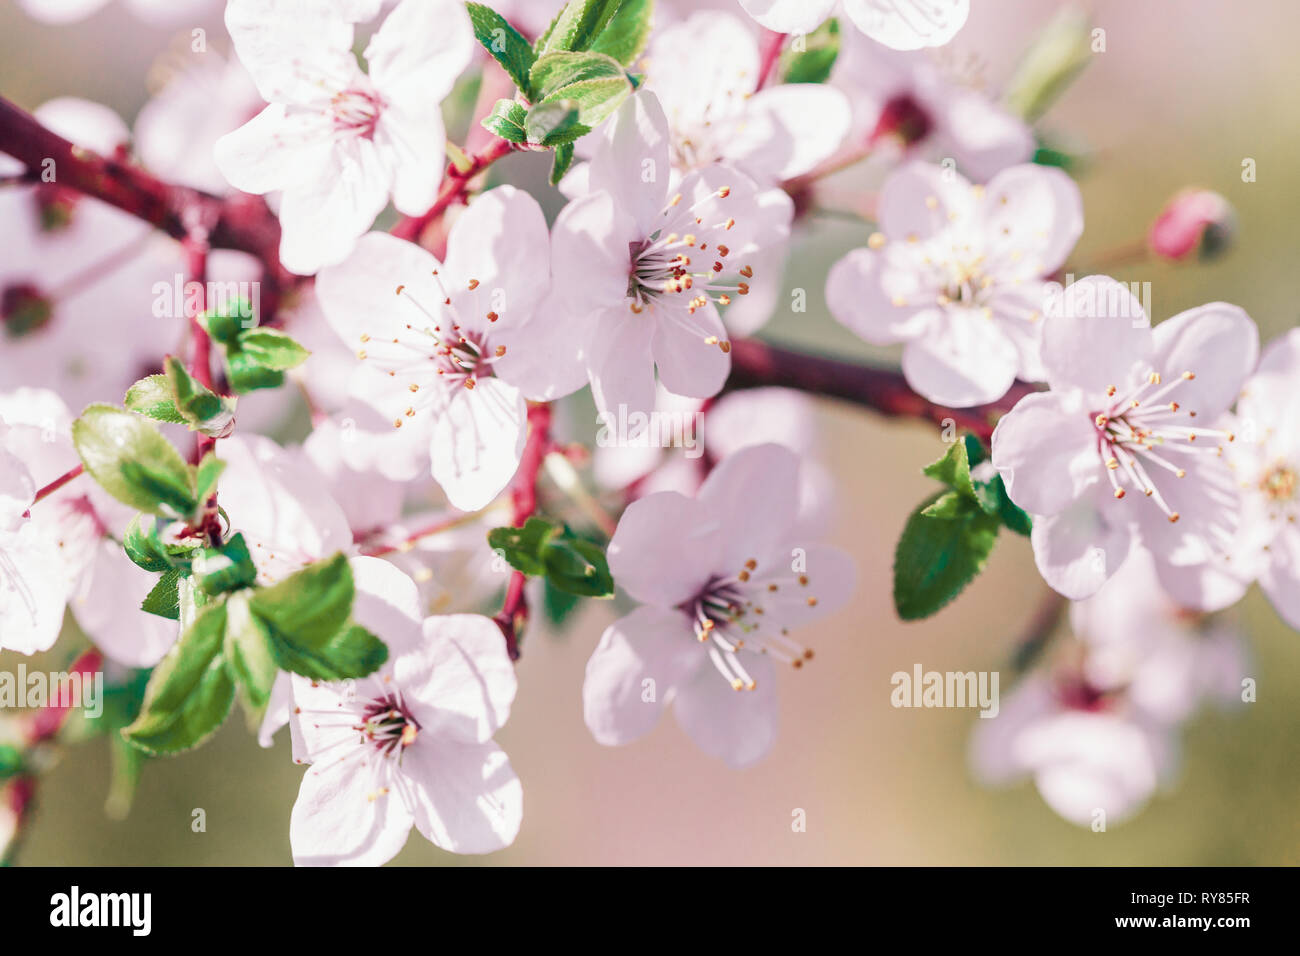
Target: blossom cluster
[[436, 328]]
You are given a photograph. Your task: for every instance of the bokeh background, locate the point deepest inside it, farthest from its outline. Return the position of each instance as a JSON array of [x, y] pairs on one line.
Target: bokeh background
[[1184, 92]]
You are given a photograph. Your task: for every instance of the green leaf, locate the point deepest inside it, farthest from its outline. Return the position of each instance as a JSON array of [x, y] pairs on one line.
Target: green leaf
[[164, 599], [205, 479], [249, 653], [190, 691], [554, 123], [125, 764], [953, 469], [247, 374], [554, 71], [503, 42], [143, 547], [992, 493], [937, 557], [228, 568], [558, 605], [627, 33], [306, 620], [1011, 514], [523, 548], [577, 26], [226, 325], [561, 162], [271, 348], [949, 504], [202, 410], [507, 120], [152, 398], [578, 567], [814, 62], [132, 461]]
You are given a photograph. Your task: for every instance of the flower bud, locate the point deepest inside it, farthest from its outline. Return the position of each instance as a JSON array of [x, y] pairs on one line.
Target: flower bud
[[23, 309], [1194, 221]]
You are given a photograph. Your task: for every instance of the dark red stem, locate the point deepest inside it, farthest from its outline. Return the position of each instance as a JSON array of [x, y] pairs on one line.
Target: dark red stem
[[523, 492], [454, 184]]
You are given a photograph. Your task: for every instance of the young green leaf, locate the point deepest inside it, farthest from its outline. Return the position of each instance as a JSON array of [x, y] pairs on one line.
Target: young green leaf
[[132, 461], [523, 548], [627, 33], [201, 409], [152, 398], [578, 567], [249, 653], [554, 123], [205, 479], [937, 557], [560, 163], [164, 599], [306, 620], [507, 120], [227, 568], [140, 541], [577, 26], [225, 325], [247, 374], [505, 44], [190, 691], [271, 348], [953, 469]]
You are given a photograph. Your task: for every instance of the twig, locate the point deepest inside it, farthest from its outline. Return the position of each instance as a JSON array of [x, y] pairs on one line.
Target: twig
[[755, 364], [523, 492], [454, 184]]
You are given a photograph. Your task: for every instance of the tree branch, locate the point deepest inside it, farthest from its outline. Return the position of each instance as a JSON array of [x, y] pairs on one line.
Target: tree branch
[[755, 364], [523, 491], [454, 184]]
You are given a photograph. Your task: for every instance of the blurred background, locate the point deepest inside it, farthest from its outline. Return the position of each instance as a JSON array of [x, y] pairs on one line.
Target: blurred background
[[1183, 93]]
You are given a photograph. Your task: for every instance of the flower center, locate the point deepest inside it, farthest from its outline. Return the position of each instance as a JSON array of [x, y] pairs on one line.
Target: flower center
[[356, 112], [1133, 426], [663, 270], [749, 612], [388, 724], [55, 206], [1279, 483], [905, 118]]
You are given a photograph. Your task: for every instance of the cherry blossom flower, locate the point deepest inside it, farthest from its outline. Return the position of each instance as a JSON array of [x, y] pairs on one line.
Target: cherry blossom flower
[[703, 69], [640, 267], [450, 351], [412, 743], [1099, 734], [1265, 461], [1124, 449], [899, 24], [67, 553], [956, 274], [907, 103], [722, 593], [336, 140]]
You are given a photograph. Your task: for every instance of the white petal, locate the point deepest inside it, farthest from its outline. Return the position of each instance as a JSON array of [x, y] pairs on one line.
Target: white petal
[[961, 359], [341, 818], [664, 548], [736, 726], [462, 682], [1045, 449], [789, 16], [641, 658], [477, 442], [789, 129], [909, 24], [467, 798], [1078, 550], [107, 608], [758, 480]]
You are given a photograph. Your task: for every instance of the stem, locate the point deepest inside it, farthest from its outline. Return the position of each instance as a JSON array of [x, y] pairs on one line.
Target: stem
[[771, 53], [57, 483], [885, 391], [523, 492], [455, 182], [407, 543]]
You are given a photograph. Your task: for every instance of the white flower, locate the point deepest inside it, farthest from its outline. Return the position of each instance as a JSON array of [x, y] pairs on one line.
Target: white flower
[[412, 743], [450, 351], [339, 141], [162, 12], [900, 24]]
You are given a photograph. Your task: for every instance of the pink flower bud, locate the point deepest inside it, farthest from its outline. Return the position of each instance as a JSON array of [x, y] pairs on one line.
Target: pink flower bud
[[1195, 220]]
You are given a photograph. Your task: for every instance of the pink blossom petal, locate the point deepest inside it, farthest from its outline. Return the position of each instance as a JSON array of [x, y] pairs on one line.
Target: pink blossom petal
[[466, 797], [908, 24], [757, 480], [664, 548], [1219, 343], [339, 818], [462, 682], [736, 726], [477, 442], [1096, 335], [1034, 213], [1046, 451], [1078, 549], [921, 199], [641, 658], [963, 358]]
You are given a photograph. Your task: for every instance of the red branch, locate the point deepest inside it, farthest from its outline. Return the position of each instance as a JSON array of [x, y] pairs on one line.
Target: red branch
[[523, 491], [57, 483], [755, 364], [454, 184]]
